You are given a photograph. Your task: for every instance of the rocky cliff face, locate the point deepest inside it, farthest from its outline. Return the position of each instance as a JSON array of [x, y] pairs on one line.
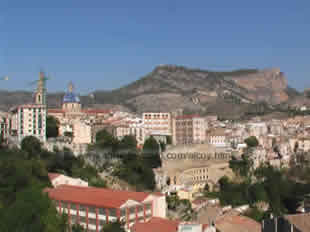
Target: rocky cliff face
[[266, 85], [170, 87]]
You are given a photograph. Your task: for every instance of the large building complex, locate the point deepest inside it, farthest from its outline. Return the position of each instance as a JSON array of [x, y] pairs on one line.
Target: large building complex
[[93, 207], [188, 129], [73, 119]]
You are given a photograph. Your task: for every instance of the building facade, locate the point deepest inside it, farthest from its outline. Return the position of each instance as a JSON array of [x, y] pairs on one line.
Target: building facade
[[157, 123], [93, 207], [188, 129], [217, 137], [30, 119], [73, 119]]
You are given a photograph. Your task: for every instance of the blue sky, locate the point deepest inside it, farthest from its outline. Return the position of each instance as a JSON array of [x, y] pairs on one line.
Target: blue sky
[[102, 44]]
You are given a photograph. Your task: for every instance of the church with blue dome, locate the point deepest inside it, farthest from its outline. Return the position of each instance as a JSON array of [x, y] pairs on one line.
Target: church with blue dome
[[70, 98], [71, 101]]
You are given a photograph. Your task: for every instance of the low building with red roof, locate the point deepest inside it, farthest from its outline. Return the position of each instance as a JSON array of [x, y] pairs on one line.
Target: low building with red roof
[[236, 223], [92, 207], [165, 225]]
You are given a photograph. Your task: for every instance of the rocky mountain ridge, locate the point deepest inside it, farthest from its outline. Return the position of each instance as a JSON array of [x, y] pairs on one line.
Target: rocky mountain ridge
[[170, 87]]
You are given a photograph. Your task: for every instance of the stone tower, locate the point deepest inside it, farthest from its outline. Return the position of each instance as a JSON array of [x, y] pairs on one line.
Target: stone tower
[[40, 95]]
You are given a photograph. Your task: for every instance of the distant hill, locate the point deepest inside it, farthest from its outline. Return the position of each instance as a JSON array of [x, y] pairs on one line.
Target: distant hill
[[170, 87]]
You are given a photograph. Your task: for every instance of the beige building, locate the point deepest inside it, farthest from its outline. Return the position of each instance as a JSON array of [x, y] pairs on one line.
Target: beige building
[[123, 129], [157, 123], [217, 137], [82, 132], [188, 129]]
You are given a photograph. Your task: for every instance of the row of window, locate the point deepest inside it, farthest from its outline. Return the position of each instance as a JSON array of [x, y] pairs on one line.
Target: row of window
[[111, 211], [155, 116]]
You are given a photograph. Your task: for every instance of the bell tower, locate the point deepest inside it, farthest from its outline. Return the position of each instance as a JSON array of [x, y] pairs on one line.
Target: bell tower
[[40, 95]]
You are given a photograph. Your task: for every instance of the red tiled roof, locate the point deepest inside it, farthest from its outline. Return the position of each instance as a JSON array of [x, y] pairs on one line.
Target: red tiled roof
[[53, 176], [300, 221], [156, 224], [98, 197], [237, 224], [188, 116], [55, 111]]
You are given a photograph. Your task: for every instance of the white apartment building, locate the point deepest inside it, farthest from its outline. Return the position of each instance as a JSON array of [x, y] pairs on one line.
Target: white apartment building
[[217, 137], [5, 126], [30, 121]]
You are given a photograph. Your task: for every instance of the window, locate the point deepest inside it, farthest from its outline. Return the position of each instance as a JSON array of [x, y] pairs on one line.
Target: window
[[83, 219], [112, 212], [82, 208], [73, 219], [73, 206], [91, 209], [92, 221], [102, 211], [123, 212]]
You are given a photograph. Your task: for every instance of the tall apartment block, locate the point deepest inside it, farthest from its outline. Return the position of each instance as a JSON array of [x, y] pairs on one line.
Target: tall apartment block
[[30, 119]]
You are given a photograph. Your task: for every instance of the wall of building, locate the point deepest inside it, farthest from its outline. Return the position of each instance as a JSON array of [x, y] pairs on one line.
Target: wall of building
[[157, 123], [188, 130], [31, 121], [94, 218], [66, 180]]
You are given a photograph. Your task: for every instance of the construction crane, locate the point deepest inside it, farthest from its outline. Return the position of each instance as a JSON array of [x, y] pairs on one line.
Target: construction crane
[[40, 93], [42, 79]]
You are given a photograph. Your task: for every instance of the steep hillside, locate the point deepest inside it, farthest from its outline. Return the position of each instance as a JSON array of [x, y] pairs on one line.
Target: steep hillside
[[169, 87]]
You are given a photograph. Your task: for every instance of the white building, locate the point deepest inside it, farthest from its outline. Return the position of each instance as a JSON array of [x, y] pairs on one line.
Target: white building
[[57, 179], [217, 137], [31, 118]]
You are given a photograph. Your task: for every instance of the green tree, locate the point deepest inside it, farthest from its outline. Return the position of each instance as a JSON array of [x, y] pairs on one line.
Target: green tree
[[34, 211], [173, 201], [78, 228], [113, 227], [251, 141], [150, 153], [105, 140], [52, 127], [32, 146]]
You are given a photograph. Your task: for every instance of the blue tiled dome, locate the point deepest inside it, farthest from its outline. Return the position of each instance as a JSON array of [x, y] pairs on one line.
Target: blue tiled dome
[[71, 97]]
